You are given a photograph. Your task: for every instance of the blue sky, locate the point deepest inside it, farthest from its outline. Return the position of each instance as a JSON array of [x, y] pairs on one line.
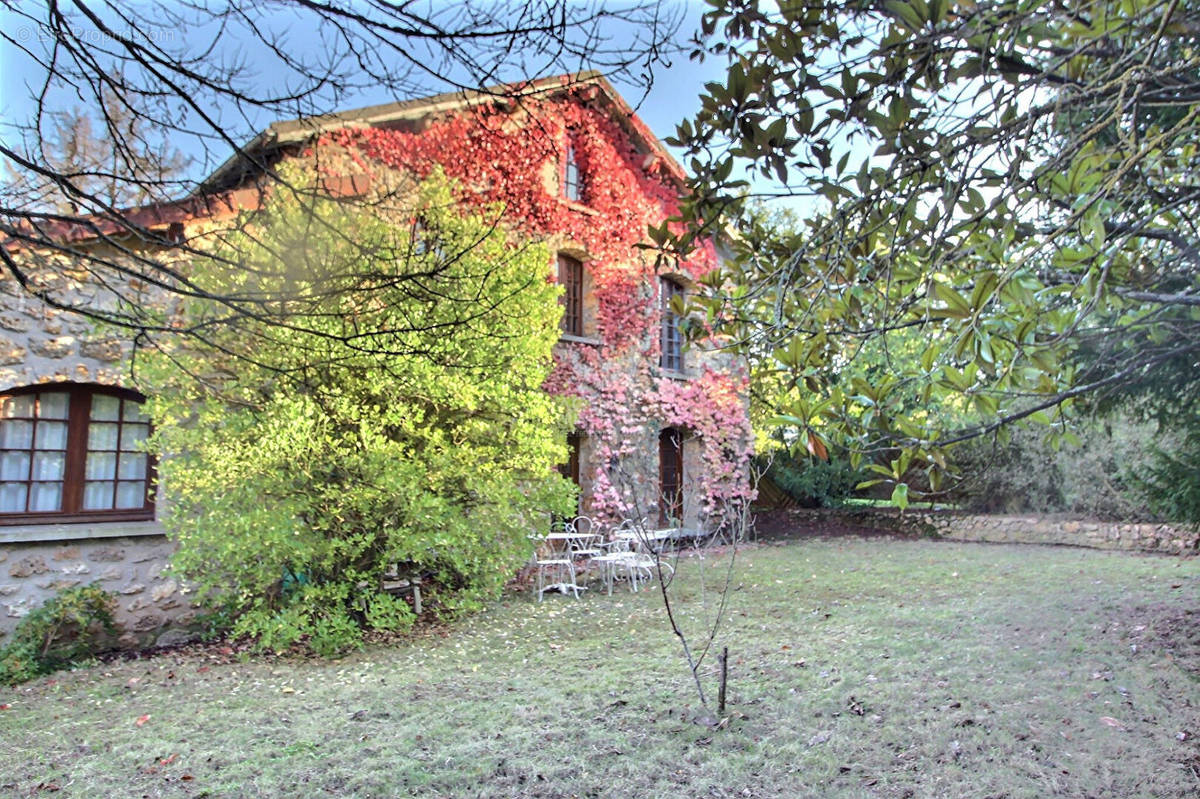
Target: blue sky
[[672, 97]]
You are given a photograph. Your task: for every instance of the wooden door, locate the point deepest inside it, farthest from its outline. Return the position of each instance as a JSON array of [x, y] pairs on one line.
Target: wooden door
[[670, 470]]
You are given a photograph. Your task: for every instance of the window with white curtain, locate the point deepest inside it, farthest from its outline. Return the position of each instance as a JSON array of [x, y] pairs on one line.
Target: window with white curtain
[[71, 450]]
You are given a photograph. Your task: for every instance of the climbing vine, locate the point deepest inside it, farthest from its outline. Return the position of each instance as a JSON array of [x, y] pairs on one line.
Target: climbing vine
[[511, 156]]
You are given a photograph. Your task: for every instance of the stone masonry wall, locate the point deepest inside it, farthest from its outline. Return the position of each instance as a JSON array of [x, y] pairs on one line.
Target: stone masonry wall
[[40, 344], [955, 526], [153, 607]]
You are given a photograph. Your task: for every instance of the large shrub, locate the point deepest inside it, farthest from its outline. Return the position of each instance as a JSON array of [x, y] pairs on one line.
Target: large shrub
[[384, 410], [69, 627], [1170, 482], [813, 482], [1099, 474]]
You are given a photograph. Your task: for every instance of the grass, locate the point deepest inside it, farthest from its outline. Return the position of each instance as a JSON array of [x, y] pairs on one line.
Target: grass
[[859, 668]]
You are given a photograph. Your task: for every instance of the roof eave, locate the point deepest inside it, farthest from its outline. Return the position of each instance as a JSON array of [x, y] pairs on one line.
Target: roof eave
[[294, 131]]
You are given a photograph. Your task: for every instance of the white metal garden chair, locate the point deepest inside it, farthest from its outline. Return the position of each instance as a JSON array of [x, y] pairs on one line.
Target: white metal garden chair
[[627, 554], [585, 543], [557, 564]]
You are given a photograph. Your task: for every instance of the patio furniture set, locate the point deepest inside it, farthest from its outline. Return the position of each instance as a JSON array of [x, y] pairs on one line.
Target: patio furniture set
[[577, 547]]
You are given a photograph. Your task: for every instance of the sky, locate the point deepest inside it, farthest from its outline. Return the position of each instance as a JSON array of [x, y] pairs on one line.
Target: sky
[[672, 97]]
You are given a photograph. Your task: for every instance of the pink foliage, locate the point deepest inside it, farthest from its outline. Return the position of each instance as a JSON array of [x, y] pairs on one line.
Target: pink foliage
[[713, 408]]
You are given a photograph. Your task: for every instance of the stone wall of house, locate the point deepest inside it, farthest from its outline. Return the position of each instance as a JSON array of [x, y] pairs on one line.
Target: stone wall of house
[[953, 526], [129, 560], [41, 344], [631, 465]]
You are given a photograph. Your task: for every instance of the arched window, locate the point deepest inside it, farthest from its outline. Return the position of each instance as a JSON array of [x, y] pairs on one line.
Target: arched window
[[570, 277], [671, 338], [71, 452]]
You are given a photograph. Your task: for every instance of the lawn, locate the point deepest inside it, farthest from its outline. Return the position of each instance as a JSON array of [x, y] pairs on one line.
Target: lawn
[[858, 668]]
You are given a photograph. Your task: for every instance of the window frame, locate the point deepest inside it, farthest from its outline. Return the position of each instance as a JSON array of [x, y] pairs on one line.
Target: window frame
[[670, 476], [571, 278], [670, 342], [572, 468], [75, 459], [573, 183]]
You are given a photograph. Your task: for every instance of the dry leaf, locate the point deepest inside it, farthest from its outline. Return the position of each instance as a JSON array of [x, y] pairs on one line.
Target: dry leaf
[[1111, 722], [816, 446], [142, 719]]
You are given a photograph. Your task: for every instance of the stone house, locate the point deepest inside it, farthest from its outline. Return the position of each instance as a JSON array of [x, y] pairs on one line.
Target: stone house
[[662, 429]]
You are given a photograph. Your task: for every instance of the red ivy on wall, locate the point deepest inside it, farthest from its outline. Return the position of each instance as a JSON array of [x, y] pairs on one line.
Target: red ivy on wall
[[513, 158]]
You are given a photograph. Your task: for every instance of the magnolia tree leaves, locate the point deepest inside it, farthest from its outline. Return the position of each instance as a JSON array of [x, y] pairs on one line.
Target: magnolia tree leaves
[[990, 212]]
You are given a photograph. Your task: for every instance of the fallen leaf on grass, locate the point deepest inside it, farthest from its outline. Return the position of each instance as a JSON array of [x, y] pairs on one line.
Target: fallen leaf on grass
[[142, 719], [169, 760], [1111, 722], [5, 706], [187, 777], [48, 786]]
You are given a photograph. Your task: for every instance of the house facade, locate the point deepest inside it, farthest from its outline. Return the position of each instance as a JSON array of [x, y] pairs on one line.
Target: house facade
[[662, 430]]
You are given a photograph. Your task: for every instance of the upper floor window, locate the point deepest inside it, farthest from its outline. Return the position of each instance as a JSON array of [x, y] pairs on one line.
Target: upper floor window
[[570, 276], [572, 176], [72, 453], [671, 337]]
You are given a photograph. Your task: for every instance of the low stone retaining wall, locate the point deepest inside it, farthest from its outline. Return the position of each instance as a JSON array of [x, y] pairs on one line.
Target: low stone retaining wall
[[1100, 535], [956, 526], [128, 560]]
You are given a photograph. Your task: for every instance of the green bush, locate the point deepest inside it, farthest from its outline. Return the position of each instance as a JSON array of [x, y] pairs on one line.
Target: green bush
[[1099, 476], [812, 482], [1171, 481], [391, 415], [67, 628]]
